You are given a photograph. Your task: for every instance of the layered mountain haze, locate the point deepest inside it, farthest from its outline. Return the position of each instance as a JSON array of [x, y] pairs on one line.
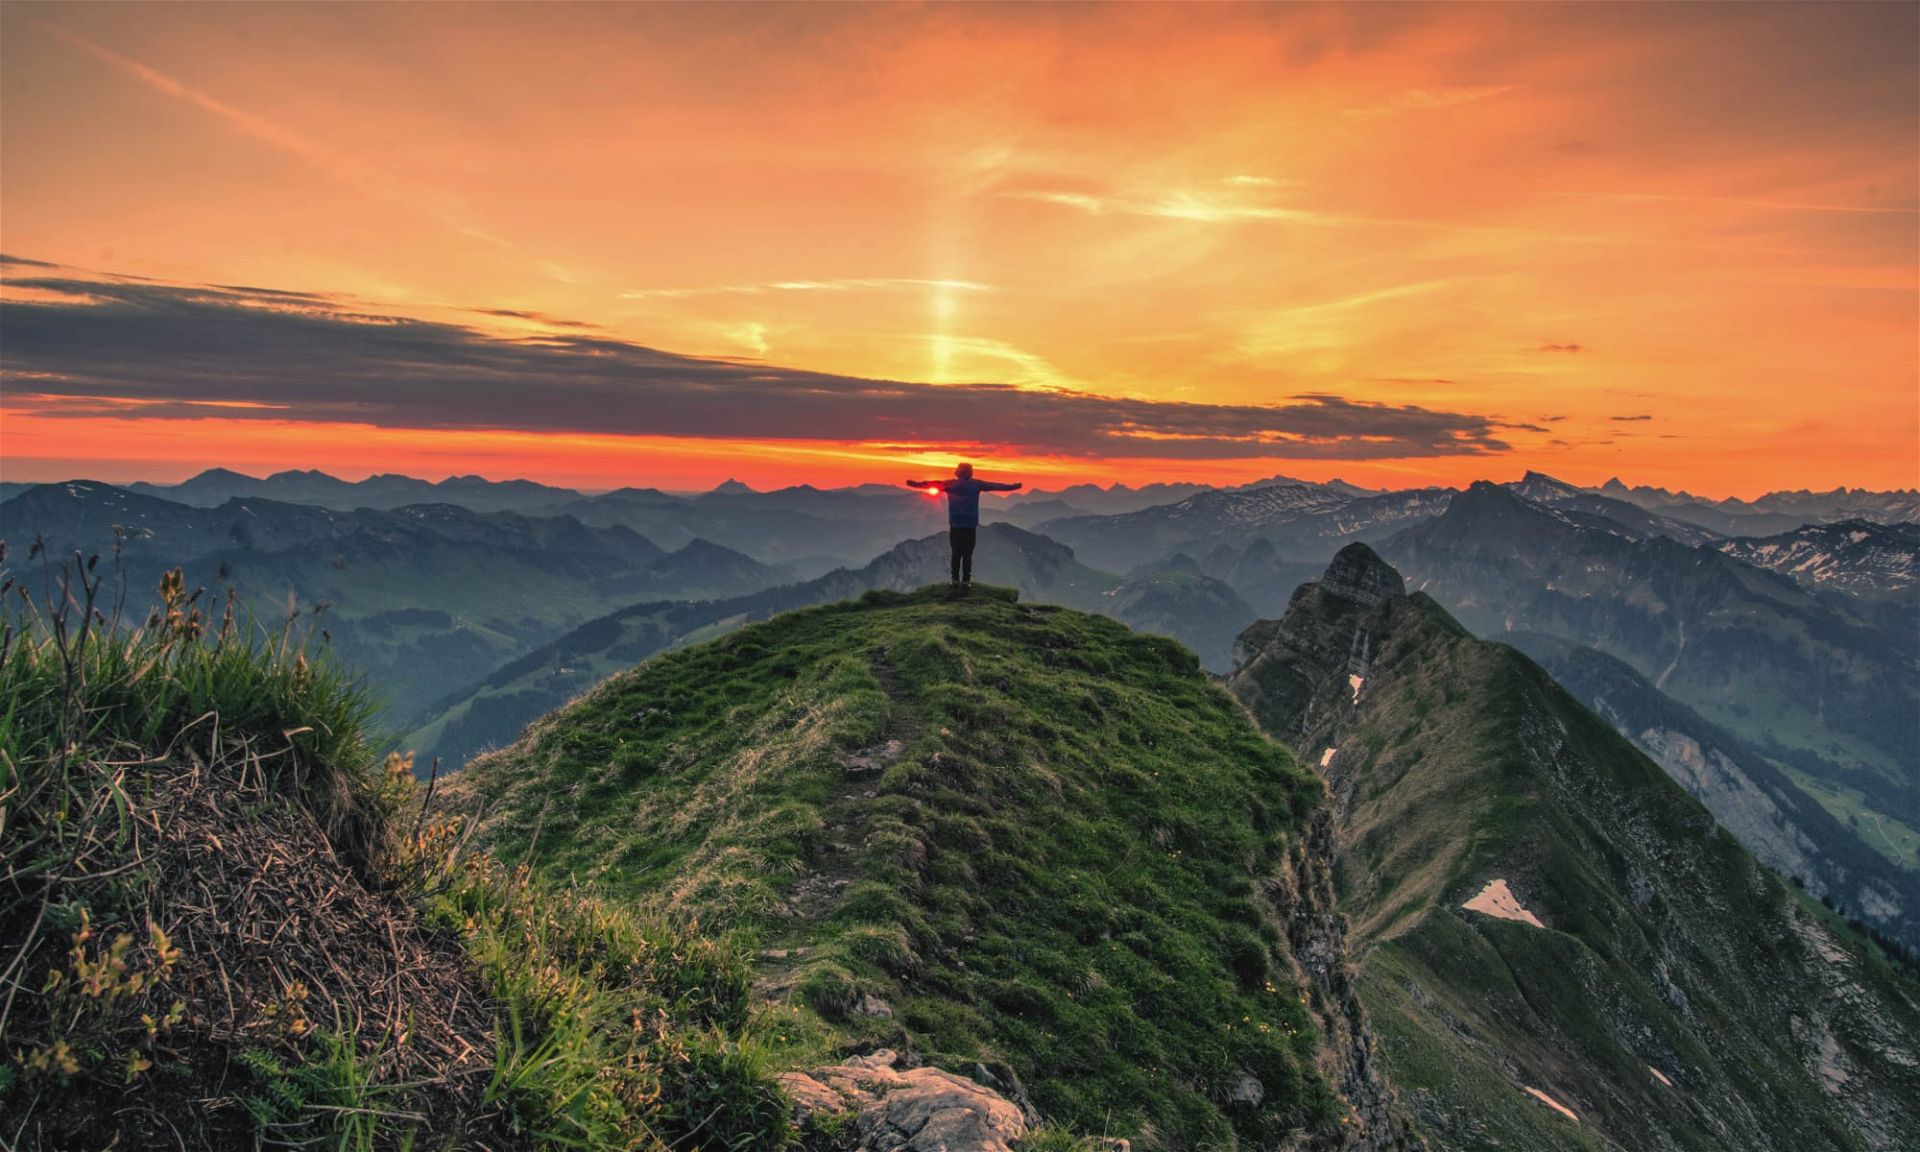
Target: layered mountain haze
[[1775, 511], [422, 598], [1810, 679], [1255, 572], [1603, 511], [1556, 945], [1182, 601], [1306, 522], [216, 486]]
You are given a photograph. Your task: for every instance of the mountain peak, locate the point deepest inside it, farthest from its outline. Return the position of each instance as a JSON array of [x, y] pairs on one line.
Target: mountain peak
[[1358, 574], [732, 487], [1483, 499], [211, 474], [1540, 486]]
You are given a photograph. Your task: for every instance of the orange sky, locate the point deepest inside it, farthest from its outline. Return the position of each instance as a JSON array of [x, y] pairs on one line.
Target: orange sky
[[1679, 244]]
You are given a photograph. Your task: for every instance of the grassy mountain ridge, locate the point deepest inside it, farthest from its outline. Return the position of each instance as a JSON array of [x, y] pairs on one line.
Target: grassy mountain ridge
[[977, 829], [490, 712], [1673, 994]]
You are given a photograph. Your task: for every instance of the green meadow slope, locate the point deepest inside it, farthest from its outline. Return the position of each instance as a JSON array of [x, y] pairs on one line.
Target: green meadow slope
[[1667, 991], [995, 835]]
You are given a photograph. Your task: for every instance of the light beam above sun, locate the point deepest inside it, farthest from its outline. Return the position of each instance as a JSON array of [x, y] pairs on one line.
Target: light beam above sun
[[1672, 242]]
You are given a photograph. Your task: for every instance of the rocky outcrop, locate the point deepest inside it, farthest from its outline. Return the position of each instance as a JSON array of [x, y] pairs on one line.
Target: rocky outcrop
[[1359, 575], [908, 1109], [1304, 897]]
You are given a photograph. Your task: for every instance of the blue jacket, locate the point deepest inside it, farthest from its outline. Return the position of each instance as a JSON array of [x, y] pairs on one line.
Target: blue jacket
[[963, 498]]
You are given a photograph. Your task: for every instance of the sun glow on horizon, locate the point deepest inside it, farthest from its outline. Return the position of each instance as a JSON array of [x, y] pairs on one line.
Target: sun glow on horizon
[[1678, 244]]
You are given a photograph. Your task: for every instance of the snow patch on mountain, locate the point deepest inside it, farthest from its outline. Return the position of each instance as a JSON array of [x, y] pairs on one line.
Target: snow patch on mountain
[[1497, 900], [1552, 1103], [1855, 556]]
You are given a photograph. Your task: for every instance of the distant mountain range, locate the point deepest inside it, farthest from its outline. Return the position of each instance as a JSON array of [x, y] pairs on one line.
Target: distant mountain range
[[419, 599], [1858, 556], [1606, 512], [1776, 511], [1305, 522]]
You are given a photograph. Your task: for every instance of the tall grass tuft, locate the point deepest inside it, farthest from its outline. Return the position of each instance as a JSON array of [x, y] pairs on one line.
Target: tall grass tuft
[[82, 695], [158, 775]]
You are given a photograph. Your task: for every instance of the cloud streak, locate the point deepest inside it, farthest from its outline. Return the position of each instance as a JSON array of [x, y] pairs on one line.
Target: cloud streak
[[1424, 99], [337, 165], [1179, 206], [849, 284], [1743, 202], [114, 347]]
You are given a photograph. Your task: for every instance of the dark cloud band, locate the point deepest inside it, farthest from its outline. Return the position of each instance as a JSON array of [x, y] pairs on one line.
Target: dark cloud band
[[92, 346]]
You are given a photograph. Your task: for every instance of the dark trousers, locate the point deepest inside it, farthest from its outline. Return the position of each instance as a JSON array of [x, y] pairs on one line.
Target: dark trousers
[[962, 541]]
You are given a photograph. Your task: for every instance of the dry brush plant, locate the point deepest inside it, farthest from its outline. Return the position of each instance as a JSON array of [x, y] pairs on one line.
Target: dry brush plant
[[196, 838], [224, 911]]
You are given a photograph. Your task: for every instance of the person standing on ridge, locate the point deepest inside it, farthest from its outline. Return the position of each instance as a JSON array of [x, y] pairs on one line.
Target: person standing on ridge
[[963, 515]]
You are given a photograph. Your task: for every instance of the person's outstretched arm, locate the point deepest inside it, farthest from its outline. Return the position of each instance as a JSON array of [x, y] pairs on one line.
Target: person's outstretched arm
[[923, 483], [992, 486]]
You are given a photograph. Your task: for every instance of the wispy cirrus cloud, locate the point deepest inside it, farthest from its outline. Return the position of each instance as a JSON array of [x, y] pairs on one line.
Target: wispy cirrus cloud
[[1747, 202], [1423, 99], [772, 287], [336, 164], [1177, 206], [532, 317], [116, 347]]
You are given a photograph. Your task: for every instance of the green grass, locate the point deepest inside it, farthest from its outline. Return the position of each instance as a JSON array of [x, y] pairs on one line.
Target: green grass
[[329, 1097], [615, 1026], [1058, 867], [1887, 835]]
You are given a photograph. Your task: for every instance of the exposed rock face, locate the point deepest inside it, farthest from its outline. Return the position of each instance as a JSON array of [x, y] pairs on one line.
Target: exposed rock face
[[909, 1110], [1347, 1056], [1357, 574]]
